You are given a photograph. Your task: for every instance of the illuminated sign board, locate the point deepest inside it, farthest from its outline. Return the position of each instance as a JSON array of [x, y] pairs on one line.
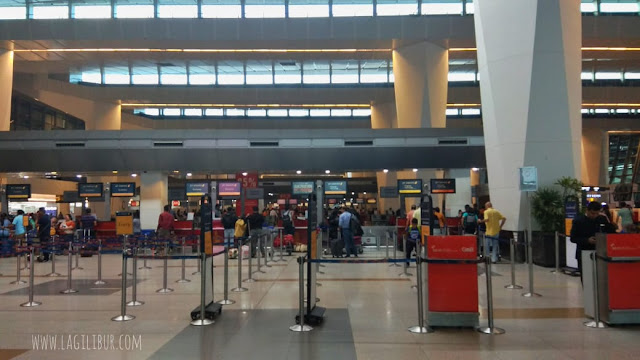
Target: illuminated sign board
[[197, 188], [231, 189], [443, 186], [87, 190], [123, 189], [410, 187]]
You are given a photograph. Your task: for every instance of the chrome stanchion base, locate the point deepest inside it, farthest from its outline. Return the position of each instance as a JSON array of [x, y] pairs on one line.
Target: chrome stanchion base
[[123, 318], [300, 328], [420, 330], [591, 324], [239, 289], [164, 291], [181, 281], [127, 274], [195, 273], [530, 294], [135, 303], [53, 274], [69, 291], [99, 282], [491, 331], [513, 286], [19, 282], [554, 271], [203, 322], [145, 268], [226, 302], [248, 280], [31, 304]]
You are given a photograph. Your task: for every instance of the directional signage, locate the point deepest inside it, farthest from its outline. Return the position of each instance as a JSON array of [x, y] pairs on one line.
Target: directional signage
[[528, 178], [388, 192], [88, 190], [443, 186], [254, 193], [230, 189], [197, 188], [18, 191], [335, 187], [410, 187], [123, 189], [302, 187], [124, 223]]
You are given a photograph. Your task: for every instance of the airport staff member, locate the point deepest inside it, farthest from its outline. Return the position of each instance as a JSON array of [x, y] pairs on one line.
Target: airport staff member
[[585, 227]]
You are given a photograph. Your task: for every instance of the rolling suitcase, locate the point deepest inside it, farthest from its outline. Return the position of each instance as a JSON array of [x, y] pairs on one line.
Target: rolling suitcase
[[337, 246]]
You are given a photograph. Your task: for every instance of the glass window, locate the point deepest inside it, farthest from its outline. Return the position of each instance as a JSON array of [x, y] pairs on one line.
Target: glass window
[[171, 112], [455, 76], [584, 111], [320, 112], [308, 8], [344, 71], [298, 112], [192, 112], [288, 72], [451, 112], [277, 112], [392, 78], [151, 112], [134, 9], [396, 7], [257, 112], [586, 75], [605, 75], [214, 112], [619, 6], [11, 10], [91, 9], [259, 72], [234, 112], [470, 7], [178, 9], [91, 76], [221, 9], [623, 111], [173, 75], [352, 8], [373, 71], [264, 8], [632, 75], [361, 112], [230, 73], [470, 112], [116, 75], [316, 72], [144, 75], [441, 7], [588, 6], [49, 10], [341, 112], [202, 73]]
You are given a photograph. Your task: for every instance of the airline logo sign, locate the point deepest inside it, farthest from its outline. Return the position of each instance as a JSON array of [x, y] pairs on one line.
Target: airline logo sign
[[623, 245], [452, 247], [410, 187]]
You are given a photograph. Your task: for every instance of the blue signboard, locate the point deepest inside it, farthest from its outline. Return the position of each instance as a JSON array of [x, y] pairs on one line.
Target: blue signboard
[[197, 188], [410, 187], [123, 189], [335, 187], [86, 190], [571, 209], [302, 187], [18, 191]]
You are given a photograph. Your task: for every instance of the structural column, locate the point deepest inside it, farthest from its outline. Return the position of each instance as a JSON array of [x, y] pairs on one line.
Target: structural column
[[420, 85], [6, 84], [594, 159], [154, 189], [383, 116], [529, 59]]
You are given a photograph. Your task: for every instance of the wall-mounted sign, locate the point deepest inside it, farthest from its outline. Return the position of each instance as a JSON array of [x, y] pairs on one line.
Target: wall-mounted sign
[[18, 191], [197, 188], [134, 203], [443, 186], [88, 190], [230, 189], [124, 223], [293, 201], [254, 193], [335, 187], [175, 203], [302, 187], [388, 192], [359, 201], [282, 201], [123, 189], [410, 187], [528, 178]]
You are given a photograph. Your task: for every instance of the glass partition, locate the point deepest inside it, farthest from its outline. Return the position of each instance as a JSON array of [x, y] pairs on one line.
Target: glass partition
[[178, 9], [134, 9], [221, 9], [397, 7], [308, 8], [49, 9], [343, 8], [264, 9], [91, 9]]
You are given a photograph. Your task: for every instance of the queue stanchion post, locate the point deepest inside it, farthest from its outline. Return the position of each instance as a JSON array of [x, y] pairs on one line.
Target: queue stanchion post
[[250, 278], [422, 327], [134, 281], [19, 280], [405, 271], [52, 257], [300, 326], [281, 245], [26, 263], [99, 281], [512, 255], [199, 265], [78, 267], [31, 302], [274, 234], [146, 247], [595, 323], [239, 287], [556, 270], [165, 269], [260, 253], [531, 293], [266, 238], [123, 292], [394, 236], [491, 329], [183, 278], [226, 300], [69, 289], [125, 241], [202, 321]]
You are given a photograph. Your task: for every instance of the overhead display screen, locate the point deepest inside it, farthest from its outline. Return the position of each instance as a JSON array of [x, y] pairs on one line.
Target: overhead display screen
[[197, 188], [87, 190], [443, 186], [335, 187], [229, 189], [302, 187], [123, 189], [18, 191], [410, 187]]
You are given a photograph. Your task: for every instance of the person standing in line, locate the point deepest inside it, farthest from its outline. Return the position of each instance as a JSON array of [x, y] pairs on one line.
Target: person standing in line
[[344, 221], [88, 221], [625, 216], [255, 220], [495, 221], [413, 235], [287, 221], [229, 219], [44, 234], [411, 213], [470, 221], [165, 224], [441, 225], [584, 229]]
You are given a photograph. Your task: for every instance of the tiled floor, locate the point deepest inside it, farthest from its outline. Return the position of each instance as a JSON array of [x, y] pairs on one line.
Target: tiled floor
[[369, 308]]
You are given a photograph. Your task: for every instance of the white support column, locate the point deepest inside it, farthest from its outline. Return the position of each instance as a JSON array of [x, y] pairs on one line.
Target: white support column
[[383, 116], [529, 59], [154, 189], [462, 196], [6, 84], [387, 179], [421, 84], [594, 159]]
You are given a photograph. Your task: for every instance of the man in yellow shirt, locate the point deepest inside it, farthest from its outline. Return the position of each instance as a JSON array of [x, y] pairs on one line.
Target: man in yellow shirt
[[494, 221]]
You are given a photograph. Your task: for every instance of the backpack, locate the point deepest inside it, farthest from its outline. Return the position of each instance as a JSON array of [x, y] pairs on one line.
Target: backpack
[[355, 227], [240, 228], [470, 219], [227, 221], [413, 234]]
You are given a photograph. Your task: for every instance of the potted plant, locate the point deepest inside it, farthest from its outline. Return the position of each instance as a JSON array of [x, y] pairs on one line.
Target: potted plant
[[547, 209]]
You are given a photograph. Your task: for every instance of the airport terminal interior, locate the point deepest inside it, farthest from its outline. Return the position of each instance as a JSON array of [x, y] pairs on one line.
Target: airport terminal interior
[[319, 179]]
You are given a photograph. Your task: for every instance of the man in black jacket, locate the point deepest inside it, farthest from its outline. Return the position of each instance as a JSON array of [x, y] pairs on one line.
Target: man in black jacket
[[255, 220], [229, 223], [585, 227]]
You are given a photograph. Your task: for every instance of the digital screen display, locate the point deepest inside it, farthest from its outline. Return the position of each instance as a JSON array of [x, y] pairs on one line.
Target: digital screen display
[[302, 187], [410, 187], [197, 188], [443, 186], [123, 189], [18, 191], [90, 190], [229, 189], [335, 187]]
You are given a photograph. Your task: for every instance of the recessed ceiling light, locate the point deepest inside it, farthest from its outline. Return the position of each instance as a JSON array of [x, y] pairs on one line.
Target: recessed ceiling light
[[365, 193], [134, 175], [114, 172], [176, 171], [299, 172], [244, 174], [78, 176], [189, 174], [415, 170], [327, 171], [26, 176], [475, 169]]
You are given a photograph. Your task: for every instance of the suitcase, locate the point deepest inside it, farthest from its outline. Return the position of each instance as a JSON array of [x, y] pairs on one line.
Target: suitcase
[[337, 246]]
